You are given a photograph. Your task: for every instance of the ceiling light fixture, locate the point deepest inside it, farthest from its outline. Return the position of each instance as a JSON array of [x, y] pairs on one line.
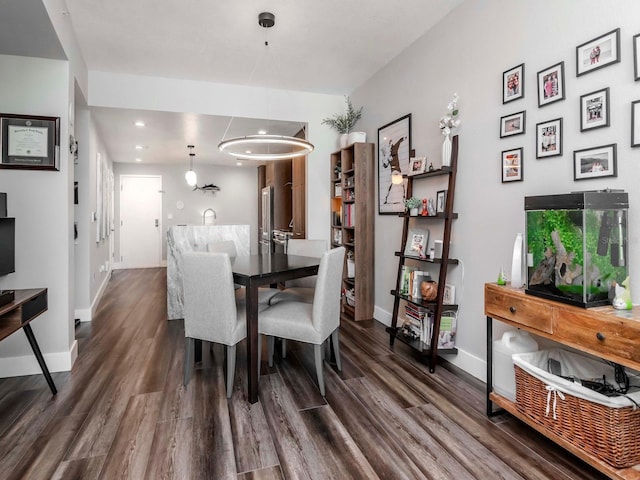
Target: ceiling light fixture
[[265, 147], [139, 123], [190, 176]]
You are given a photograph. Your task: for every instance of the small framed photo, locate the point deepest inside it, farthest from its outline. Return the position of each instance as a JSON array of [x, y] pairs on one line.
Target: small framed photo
[[594, 110], [636, 57], [512, 165], [513, 124], [549, 138], [441, 201], [30, 142], [598, 53], [595, 162], [417, 165], [635, 123], [417, 242], [449, 296], [337, 189], [513, 84], [551, 84]]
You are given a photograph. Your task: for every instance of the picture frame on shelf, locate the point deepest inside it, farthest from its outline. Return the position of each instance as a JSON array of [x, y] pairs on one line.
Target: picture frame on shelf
[[513, 84], [635, 123], [598, 53], [337, 190], [551, 84], [30, 142], [595, 162], [594, 110], [449, 295], [417, 165], [512, 165], [417, 242], [441, 201], [394, 147], [549, 138], [513, 124], [636, 57]]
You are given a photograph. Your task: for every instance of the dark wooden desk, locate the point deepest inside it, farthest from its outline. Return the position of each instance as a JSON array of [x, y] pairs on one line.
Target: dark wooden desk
[[26, 306], [254, 271]]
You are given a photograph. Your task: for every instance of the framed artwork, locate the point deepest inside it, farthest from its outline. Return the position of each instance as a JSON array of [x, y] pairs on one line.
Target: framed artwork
[[449, 296], [594, 110], [30, 142], [513, 84], [549, 138], [417, 165], [417, 242], [595, 162], [394, 145], [512, 165], [636, 57], [513, 124], [635, 123], [551, 84], [441, 201], [598, 53]]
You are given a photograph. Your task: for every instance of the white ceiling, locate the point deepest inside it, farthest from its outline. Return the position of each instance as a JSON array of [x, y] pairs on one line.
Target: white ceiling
[[324, 46]]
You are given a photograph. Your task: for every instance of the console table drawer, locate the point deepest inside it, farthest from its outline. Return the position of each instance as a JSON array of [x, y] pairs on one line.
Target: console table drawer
[[609, 337], [504, 304]]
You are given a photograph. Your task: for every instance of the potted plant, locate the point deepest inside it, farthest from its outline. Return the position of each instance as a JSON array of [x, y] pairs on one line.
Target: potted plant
[[412, 205], [344, 125]]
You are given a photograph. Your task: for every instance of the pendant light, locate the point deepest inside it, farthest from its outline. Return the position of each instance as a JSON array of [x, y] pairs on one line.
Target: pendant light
[[265, 147], [190, 176]]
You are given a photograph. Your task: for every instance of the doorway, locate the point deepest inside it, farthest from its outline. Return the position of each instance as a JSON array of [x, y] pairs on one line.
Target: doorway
[[140, 221]]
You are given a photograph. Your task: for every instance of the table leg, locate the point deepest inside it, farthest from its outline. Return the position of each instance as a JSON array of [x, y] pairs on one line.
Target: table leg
[[36, 350], [252, 340]]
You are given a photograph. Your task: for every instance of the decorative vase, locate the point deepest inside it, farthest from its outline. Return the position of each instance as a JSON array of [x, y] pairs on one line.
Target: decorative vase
[[344, 140], [446, 151], [356, 137], [429, 290]]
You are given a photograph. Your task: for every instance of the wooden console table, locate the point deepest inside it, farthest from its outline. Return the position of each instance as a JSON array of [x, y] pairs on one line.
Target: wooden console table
[[26, 306], [601, 331]]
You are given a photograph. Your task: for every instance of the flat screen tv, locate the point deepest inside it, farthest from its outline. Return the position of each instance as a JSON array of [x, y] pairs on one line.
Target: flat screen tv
[[7, 245]]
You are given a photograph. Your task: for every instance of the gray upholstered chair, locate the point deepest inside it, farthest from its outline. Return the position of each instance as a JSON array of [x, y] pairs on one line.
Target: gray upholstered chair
[[210, 311], [310, 323], [301, 289]]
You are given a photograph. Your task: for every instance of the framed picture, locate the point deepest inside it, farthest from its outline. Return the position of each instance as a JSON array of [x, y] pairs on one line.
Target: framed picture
[[441, 201], [549, 138], [595, 162], [551, 84], [513, 84], [449, 296], [594, 110], [394, 145], [512, 165], [417, 242], [30, 142], [337, 189], [636, 57], [635, 123], [513, 124], [417, 165], [597, 53]]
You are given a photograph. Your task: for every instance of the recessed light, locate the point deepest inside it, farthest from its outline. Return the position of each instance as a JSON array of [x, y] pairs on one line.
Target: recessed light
[[139, 147], [262, 132], [139, 123], [138, 159], [239, 164], [247, 151]]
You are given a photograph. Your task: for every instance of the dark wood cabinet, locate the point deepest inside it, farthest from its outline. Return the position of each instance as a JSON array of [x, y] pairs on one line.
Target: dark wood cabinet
[[299, 201]]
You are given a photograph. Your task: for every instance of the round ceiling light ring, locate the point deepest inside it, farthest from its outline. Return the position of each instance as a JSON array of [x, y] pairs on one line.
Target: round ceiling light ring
[[237, 147]]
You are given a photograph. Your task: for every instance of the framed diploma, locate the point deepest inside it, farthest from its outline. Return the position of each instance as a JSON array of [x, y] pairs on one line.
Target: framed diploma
[[30, 142]]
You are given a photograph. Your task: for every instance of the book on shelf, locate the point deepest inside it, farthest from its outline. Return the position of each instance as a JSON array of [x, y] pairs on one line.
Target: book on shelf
[[420, 326], [406, 279]]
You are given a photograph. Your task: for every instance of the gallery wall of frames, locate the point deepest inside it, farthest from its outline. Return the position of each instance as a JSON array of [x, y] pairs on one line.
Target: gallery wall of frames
[[551, 84]]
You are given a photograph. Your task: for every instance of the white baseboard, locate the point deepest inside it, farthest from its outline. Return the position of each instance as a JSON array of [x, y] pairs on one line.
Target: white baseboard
[[28, 365], [469, 363], [86, 314]]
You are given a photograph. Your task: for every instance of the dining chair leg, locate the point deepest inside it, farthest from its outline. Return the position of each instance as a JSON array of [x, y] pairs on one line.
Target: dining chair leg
[[271, 342], [317, 350], [284, 348], [335, 340], [188, 357], [259, 354], [231, 368]]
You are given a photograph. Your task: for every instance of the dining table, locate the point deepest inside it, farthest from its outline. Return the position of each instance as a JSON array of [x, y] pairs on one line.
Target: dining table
[[253, 272]]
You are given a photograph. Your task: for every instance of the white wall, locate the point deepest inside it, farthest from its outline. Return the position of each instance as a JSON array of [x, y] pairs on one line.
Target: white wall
[[235, 203], [467, 53]]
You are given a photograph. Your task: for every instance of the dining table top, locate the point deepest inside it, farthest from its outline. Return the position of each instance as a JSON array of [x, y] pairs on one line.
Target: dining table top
[[272, 265]]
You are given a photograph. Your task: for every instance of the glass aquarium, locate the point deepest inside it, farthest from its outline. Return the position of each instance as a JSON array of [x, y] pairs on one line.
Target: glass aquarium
[[577, 246]]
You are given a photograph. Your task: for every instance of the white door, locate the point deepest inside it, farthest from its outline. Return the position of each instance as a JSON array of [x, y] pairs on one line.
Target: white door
[[140, 221]]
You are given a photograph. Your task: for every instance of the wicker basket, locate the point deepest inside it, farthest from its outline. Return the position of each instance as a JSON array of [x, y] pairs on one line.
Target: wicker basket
[[610, 434]]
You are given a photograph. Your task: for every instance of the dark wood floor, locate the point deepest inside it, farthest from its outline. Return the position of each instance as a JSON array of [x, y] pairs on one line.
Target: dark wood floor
[[123, 412]]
